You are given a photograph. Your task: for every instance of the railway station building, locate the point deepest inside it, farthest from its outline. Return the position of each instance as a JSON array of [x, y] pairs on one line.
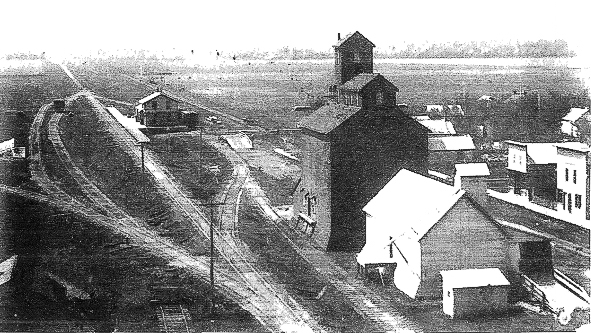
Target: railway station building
[[159, 110]]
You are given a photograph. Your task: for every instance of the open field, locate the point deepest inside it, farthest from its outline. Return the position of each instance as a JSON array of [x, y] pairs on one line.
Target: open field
[[265, 92]]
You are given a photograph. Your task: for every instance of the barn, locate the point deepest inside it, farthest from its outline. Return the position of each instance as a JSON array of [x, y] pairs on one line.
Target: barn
[[426, 227]]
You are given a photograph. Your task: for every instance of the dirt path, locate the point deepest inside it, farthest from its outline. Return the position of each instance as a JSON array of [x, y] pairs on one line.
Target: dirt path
[[366, 302], [268, 302]]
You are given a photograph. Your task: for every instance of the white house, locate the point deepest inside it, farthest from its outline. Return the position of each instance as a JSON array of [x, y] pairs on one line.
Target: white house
[[569, 124]]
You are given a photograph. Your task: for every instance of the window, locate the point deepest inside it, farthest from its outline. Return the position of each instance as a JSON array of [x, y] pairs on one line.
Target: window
[[154, 104], [305, 199], [577, 200], [566, 174], [379, 98], [338, 58], [313, 204], [520, 159], [570, 203], [575, 176], [514, 155], [560, 195]]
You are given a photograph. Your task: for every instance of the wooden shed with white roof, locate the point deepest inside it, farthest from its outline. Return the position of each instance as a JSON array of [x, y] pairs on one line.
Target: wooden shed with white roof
[[471, 292]]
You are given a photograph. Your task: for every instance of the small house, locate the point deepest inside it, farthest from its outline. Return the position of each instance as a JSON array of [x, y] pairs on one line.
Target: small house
[[159, 109], [569, 124], [472, 292], [447, 150]]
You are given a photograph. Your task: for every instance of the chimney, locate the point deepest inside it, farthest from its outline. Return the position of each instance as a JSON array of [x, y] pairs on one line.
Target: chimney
[[471, 177], [338, 36]]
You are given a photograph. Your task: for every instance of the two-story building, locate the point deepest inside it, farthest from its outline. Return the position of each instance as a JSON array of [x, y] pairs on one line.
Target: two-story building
[[352, 147], [159, 110], [573, 179], [532, 169]]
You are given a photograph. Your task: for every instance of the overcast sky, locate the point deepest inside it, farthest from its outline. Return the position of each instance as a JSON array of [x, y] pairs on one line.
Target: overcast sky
[[80, 26]]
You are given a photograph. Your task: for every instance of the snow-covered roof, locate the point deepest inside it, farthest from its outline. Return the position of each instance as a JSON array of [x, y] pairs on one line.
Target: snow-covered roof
[[470, 278], [574, 114], [238, 141], [452, 142], [154, 95], [410, 196], [149, 97], [577, 146], [439, 126], [472, 169]]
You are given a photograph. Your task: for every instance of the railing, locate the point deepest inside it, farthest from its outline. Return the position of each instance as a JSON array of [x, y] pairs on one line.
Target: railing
[[535, 292], [308, 222], [571, 285]]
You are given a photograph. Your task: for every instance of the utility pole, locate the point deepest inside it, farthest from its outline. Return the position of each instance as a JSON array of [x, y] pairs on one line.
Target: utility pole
[[212, 207], [142, 148]]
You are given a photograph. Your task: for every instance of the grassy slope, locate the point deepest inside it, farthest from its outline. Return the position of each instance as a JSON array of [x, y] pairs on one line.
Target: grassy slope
[[298, 277], [115, 174], [180, 153]]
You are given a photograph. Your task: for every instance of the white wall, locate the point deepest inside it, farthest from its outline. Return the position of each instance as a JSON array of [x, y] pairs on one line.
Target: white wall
[[517, 159], [572, 160]]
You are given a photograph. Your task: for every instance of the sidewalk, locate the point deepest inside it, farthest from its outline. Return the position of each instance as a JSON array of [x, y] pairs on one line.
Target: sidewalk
[[525, 203]]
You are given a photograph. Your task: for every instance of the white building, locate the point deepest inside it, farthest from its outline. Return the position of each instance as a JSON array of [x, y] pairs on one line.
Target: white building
[[572, 179], [569, 124]]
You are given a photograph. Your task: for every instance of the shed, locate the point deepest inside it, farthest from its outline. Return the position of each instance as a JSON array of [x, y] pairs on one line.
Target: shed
[[472, 292]]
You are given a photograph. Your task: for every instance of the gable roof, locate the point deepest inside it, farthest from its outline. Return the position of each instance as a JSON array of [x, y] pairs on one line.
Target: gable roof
[[349, 36], [154, 95], [408, 195], [472, 169], [470, 278], [440, 126], [575, 114], [451, 143], [328, 117], [574, 146], [361, 80]]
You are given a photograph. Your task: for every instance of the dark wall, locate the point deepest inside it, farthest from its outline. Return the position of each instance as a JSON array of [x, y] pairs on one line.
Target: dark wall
[[367, 151], [353, 57], [368, 94]]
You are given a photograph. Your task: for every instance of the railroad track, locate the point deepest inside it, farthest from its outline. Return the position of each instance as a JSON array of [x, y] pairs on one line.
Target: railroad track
[[270, 304], [228, 284], [367, 303], [98, 198], [173, 319]]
